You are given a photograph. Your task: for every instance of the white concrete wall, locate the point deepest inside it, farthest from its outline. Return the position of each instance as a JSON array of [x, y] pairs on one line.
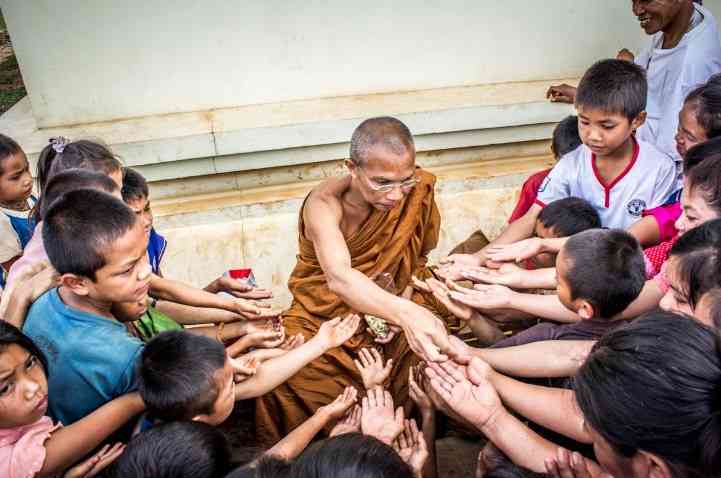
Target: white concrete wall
[[87, 61]]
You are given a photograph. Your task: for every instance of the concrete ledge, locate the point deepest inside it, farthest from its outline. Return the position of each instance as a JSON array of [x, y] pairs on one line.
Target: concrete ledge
[[187, 145]]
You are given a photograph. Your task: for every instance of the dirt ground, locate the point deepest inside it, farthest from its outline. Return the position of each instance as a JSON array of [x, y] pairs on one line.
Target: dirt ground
[[12, 88]]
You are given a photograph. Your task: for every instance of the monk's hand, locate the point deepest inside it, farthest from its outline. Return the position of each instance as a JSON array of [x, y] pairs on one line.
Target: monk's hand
[[561, 93], [334, 333], [372, 370], [379, 418], [426, 334]]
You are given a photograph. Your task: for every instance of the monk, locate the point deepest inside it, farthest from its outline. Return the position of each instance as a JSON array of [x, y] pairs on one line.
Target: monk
[[379, 219]]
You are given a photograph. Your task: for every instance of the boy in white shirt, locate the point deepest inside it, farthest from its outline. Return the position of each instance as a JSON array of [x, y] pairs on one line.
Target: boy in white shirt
[[619, 175]]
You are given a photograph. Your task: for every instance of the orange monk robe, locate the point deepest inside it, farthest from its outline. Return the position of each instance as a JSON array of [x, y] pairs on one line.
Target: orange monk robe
[[396, 242]]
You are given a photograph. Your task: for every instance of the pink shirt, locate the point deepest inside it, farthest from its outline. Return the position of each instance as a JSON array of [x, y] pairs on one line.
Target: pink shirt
[[666, 217], [22, 449], [33, 253]]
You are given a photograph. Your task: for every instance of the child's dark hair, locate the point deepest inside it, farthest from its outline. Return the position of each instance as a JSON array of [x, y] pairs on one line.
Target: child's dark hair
[[700, 152], [175, 450], [565, 137], [266, 467], [61, 154], [80, 226], [706, 100], [134, 185], [713, 298], [698, 265], [8, 147], [177, 375], [350, 454], [614, 86], [71, 180], [606, 268], [9, 335], [653, 385], [569, 216], [705, 178]]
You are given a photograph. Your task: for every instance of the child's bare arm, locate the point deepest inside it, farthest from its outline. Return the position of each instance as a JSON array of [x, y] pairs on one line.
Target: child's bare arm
[[175, 291], [296, 441], [646, 231], [514, 232], [272, 373], [550, 358], [190, 315], [69, 444], [513, 276], [553, 408]]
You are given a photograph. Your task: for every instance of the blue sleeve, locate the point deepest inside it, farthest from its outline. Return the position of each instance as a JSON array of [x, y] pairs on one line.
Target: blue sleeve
[[127, 381]]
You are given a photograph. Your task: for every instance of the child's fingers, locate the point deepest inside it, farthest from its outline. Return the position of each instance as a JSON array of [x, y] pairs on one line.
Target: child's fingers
[[358, 365], [377, 357], [399, 415]]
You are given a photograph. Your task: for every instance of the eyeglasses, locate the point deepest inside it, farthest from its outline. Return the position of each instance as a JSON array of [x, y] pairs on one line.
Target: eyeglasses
[[388, 187]]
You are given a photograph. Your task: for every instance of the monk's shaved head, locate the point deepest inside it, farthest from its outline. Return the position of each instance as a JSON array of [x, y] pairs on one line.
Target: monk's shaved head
[[384, 131]]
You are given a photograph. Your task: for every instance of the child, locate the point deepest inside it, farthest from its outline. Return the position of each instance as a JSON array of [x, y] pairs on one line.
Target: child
[[16, 201], [564, 140], [189, 377], [58, 156], [600, 272], [178, 450], [30, 444], [91, 355], [618, 175]]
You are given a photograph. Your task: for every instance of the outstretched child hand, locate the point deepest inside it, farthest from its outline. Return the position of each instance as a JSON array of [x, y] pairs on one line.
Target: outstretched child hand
[[253, 310], [378, 418], [417, 392], [452, 265], [573, 465], [441, 292], [372, 371], [334, 333], [238, 288], [484, 297], [351, 422], [340, 406], [244, 367], [293, 342], [508, 274], [517, 251], [96, 463], [477, 403], [412, 447]]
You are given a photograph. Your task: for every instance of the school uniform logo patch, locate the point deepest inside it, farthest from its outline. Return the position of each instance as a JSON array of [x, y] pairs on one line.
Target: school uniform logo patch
[[635, 207], [543, 185]]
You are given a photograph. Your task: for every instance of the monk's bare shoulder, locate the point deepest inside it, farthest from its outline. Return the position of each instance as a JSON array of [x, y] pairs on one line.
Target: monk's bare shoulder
[[324, 203]]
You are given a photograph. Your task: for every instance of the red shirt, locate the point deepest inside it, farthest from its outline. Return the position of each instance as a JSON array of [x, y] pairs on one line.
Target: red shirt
[[529, 191]]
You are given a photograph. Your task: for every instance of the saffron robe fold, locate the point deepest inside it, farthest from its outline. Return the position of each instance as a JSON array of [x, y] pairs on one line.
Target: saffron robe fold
[[396, 242]]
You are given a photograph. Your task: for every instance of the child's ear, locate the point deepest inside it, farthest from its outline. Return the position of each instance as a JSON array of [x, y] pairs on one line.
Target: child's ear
[[75, 283], [586, 309], [351, 167], [638, 121], [654, 466]]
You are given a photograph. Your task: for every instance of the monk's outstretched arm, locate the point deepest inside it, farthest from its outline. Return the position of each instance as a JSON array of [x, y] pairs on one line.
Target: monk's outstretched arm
[[425, 333]]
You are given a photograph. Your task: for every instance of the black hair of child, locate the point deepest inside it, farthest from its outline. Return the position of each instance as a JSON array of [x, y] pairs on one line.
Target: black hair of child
[[699, 260], [614, 86], [71, 180], [9, 334], [700, 152], [705, 178], [713, 299], [653, 385], [565, 137], [134, 185], [569, 216], [8, 147], [265, 467], [605, 267], [708, 105], [175, 450], [80, 226], [350, 454], [81, 154], [177, 375]]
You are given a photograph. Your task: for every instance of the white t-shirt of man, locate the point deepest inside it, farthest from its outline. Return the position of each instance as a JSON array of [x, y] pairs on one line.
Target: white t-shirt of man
[[673, 74], [646, 183]]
